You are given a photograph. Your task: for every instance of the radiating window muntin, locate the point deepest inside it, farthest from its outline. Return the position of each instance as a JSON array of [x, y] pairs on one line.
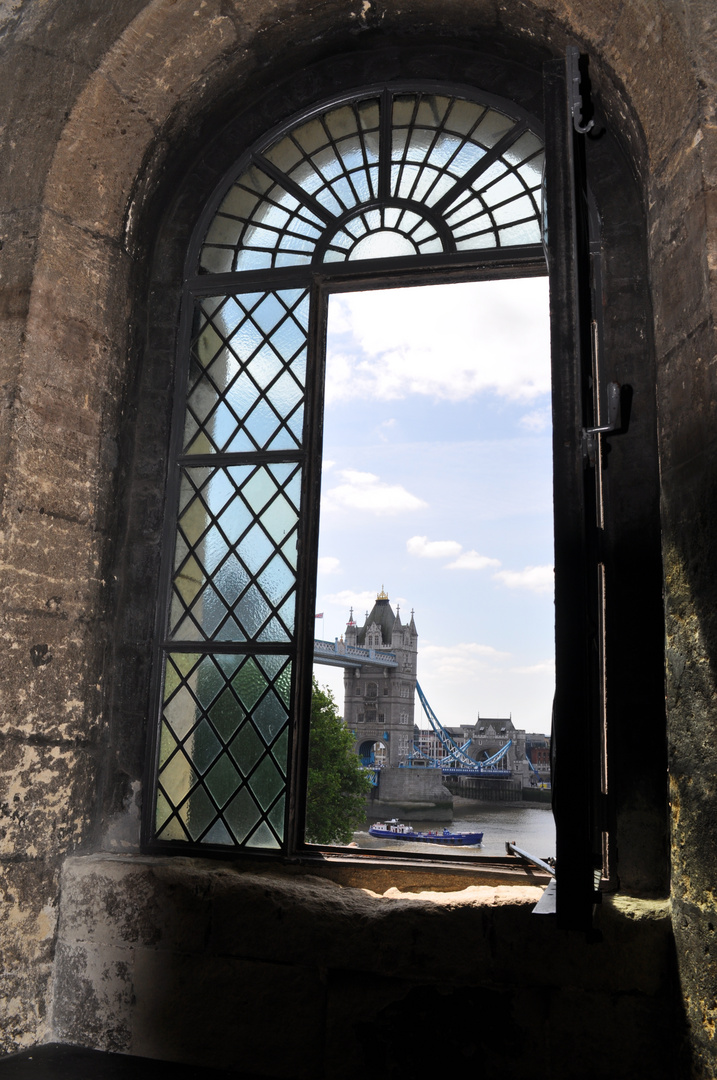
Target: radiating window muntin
[[440, 171], [398, 173]]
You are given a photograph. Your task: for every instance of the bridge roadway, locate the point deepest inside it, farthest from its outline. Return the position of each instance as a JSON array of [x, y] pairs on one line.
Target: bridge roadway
[[338, 654]]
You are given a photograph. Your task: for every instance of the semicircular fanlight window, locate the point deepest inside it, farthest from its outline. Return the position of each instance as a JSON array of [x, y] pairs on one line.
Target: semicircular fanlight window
[[381, 177]]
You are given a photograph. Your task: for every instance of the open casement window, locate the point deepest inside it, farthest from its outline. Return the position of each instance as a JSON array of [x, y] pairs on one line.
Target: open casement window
[[400, 184]]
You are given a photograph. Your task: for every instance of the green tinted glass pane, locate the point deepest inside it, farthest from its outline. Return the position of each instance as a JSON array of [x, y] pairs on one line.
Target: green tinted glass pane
[[226, 714], [205, 747], [163, 811], [276, 817], [280, 750], [197, 813], [241, 815], [218, 834], [269, 717], [263, 838], [223, 780], [249, 683], [274, 665], [246, 749], [283, 685], [209, 682]]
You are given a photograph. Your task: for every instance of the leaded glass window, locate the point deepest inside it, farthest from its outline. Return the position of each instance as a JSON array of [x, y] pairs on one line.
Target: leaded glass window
[[433, 178]]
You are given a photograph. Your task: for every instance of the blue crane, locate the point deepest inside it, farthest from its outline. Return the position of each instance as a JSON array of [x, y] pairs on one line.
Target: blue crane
[[454, 752]]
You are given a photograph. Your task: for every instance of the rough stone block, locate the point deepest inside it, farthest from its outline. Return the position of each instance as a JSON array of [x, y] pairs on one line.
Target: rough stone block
[[93, 997], [46, 793], [157, 61], [99, 154], [28, 922]]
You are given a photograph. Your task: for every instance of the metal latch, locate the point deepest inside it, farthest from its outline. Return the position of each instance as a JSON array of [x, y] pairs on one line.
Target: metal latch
[[577, 106], [590, 435]]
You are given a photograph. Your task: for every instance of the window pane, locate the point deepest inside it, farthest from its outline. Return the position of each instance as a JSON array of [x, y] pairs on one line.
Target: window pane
[[330, 166], [223, 750], [247, 375], [438, 477]]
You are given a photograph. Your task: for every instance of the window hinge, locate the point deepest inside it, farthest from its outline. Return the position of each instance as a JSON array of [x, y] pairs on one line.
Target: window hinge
[[591, 435], [577, 106]]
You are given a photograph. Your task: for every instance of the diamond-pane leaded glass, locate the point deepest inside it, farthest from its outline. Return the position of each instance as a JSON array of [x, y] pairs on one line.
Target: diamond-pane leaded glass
[[247, 373], [223, 749], [234, 576], [392, 173], [382, 177]]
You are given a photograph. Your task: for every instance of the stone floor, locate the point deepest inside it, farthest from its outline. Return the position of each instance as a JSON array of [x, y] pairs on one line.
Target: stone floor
[[57, 1062]]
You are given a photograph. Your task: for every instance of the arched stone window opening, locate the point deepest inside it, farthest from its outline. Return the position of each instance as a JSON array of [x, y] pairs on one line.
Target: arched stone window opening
[[417, 175], [223, 418]]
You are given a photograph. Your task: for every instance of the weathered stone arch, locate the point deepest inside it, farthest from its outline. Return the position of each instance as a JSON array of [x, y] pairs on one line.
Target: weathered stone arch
[[150, 91]]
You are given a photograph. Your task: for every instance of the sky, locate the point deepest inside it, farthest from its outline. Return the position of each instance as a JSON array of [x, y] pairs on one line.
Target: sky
[[437, 487]]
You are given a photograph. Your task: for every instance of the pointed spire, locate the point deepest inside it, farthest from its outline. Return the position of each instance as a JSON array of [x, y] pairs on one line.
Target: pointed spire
[[412, 625]]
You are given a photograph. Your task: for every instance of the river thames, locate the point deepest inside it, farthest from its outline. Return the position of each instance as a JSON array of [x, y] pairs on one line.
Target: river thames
[[530, 827]]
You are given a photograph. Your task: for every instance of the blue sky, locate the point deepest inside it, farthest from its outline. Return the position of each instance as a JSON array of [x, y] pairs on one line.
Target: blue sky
[[437, 486]]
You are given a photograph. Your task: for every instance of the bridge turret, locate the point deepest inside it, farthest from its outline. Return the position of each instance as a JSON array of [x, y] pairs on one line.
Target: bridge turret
[[351, 629], [397, 632], [379, 704]]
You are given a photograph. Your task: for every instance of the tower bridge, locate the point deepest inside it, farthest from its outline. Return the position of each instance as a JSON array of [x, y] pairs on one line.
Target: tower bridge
[[379, 659], [337, 653]]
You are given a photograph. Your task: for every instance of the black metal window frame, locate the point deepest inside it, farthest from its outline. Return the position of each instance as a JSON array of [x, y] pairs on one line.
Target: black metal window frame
[[319, 279]]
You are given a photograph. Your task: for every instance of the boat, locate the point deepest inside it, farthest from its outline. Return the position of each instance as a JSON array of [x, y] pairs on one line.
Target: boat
[[393, 829]]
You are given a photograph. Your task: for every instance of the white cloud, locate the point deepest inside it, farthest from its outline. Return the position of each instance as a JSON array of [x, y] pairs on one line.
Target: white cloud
[[385, 427], [413, 341], [365, 491], [327, 464], [460, 660], [471, 560], [537, 579], [328, 564], [423, 548], [544, 667], [348, 598], [537, 421]]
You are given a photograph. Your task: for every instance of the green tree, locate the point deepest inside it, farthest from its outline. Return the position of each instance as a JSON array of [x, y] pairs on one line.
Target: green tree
[[337, 782]]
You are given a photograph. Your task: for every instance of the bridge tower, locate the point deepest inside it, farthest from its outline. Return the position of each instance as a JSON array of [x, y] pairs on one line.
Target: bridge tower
[[379, 702]]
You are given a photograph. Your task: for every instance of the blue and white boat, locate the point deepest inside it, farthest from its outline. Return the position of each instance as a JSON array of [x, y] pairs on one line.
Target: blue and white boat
[[393, 829]]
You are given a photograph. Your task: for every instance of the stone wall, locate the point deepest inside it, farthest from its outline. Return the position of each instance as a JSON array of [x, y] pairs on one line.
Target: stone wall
[[105, 107], [296, 976]]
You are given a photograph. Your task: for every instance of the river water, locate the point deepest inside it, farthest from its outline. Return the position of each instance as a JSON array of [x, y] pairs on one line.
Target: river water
[[530, 827]]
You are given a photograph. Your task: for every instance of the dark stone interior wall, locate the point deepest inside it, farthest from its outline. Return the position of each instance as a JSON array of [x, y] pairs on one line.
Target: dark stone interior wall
[[104, 106]]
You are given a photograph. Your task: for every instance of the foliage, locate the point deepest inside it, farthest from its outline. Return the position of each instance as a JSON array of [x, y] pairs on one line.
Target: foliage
[[337, 782]]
